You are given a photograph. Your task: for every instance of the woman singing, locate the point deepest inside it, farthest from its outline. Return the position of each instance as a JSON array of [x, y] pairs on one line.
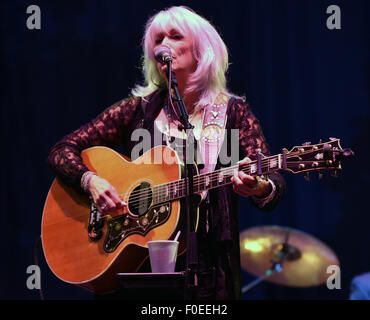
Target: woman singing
[[199, 62]]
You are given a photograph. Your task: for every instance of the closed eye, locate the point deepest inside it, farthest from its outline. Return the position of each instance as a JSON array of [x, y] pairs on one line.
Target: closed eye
[[177, 37]]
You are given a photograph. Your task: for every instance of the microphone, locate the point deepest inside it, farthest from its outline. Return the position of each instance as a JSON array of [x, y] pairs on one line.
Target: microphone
[[163, 54]]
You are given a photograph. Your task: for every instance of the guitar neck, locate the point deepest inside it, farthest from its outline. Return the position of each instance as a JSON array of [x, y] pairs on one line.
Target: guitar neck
[[178, 189]]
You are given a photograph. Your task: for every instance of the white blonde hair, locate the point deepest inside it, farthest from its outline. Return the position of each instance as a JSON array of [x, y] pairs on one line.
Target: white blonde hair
[[209, 50]]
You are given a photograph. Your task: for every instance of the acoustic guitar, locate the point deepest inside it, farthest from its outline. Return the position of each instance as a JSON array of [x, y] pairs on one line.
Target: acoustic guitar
[[85, 248]]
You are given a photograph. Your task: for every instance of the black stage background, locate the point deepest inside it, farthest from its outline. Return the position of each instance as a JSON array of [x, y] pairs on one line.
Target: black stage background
[[303, 81]]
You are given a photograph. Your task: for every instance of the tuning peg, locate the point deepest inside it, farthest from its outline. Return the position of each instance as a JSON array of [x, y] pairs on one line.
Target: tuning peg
[[307, 176], [332, 139], [306, 143], [334, 174]]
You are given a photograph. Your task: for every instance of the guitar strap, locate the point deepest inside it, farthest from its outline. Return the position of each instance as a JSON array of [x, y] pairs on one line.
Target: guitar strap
[[213, 129], [213, 132], [211, 139]]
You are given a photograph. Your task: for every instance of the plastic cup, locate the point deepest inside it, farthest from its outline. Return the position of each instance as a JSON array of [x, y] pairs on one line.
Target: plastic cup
[[163, 254]]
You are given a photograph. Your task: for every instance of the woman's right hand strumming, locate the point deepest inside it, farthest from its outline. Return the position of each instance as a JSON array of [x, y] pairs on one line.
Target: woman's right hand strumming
[[104, 195]]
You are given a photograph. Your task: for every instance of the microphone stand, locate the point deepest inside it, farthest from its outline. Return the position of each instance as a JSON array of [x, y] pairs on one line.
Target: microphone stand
[[286, 253], [191, 272], [275, 268]]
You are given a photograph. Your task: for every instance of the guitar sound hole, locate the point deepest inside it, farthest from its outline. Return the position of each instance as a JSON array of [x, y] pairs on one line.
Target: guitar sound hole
[[140, 199]]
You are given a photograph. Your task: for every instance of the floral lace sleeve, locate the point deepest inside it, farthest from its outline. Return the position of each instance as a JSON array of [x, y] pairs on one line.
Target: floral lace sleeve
[[107, 129], [252, 140], [250, 132]]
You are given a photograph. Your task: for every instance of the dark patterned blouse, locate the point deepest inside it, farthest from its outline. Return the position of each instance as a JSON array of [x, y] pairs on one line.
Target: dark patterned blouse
[[219, 247]]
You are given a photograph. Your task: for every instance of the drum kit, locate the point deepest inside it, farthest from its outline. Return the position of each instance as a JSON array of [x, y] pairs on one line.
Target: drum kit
[[285, 256]]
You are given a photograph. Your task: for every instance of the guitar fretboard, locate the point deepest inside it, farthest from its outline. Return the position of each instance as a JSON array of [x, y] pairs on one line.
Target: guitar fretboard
[[178, 189]]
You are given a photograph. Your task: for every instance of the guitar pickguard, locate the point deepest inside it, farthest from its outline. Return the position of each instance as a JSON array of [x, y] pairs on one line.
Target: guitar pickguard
[[120, 227]]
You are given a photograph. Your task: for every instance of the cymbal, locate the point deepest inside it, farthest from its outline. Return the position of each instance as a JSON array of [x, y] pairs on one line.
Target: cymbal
[[304, 259]]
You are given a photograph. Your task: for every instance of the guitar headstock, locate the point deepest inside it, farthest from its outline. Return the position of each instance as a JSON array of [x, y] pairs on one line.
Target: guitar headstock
[[316, 157]]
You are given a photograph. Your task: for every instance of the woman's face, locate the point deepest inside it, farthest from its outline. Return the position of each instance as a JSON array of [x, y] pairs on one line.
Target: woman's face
[[183, 61]]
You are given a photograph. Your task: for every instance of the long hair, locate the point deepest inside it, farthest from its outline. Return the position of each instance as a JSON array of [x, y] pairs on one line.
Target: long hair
[[209, 50]]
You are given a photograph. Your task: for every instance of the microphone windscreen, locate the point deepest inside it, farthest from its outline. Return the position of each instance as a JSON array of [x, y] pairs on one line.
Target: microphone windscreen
[[161, 52]]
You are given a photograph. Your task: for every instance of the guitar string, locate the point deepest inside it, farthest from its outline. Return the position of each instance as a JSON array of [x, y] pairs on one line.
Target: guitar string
[[263, 161], [140, 195], [180, 185], [159, 189], [250, 163], [182, 189], [213, 176]]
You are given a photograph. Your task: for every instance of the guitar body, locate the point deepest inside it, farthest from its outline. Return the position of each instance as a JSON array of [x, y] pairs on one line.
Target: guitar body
[[73, 255], [83, 248]]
